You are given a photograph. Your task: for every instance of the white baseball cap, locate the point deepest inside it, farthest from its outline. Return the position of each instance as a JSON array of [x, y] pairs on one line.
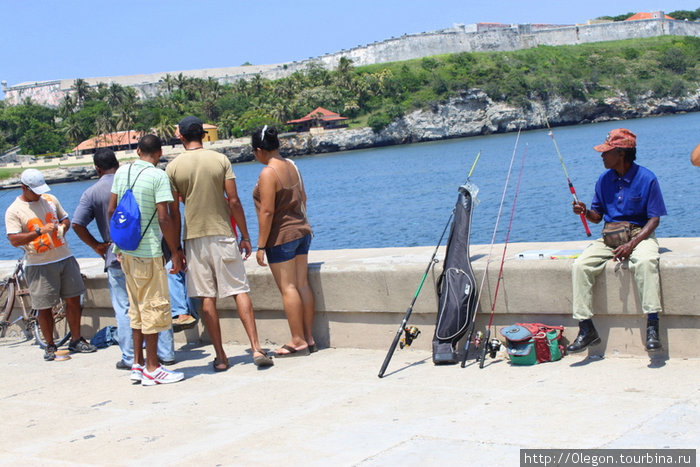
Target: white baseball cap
[[35, 181]]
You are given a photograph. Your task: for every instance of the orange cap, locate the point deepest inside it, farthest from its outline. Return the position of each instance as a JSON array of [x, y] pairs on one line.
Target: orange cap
[[618, 138]]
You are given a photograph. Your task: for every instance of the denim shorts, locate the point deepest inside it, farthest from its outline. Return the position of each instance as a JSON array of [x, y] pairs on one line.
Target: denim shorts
[[289, 250]]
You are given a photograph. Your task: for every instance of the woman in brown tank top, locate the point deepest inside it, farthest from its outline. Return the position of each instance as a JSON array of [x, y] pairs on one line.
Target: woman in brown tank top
[[284, 236]]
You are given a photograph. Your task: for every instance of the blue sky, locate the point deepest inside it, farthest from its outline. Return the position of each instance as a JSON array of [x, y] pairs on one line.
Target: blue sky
[[50, 39]]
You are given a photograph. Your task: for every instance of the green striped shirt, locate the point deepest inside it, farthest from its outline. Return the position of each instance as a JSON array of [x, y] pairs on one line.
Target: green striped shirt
[[151, 187]]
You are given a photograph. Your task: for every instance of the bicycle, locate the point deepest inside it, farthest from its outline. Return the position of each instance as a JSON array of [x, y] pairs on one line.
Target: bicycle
[[14, 289]]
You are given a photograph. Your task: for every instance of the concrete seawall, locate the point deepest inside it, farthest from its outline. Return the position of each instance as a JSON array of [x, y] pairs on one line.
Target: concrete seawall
[[361, 296]]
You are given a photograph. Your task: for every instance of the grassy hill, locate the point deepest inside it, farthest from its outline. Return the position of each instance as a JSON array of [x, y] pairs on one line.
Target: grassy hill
[[370, 95]]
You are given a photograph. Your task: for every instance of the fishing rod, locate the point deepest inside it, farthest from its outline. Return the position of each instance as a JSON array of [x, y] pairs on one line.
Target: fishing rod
[[488, 258], [571, 185], [493, 347], [412, 332]]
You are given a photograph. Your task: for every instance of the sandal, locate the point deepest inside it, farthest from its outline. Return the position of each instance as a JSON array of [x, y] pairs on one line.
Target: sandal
[[263, 360], [291, 352], [217, 367]]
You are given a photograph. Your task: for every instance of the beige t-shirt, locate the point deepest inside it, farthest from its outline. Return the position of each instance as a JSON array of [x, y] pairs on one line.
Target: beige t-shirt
[[199, 176], [23, 216]]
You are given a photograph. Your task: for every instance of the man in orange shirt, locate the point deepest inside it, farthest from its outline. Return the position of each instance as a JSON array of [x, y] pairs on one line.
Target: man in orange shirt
[[36, 222]]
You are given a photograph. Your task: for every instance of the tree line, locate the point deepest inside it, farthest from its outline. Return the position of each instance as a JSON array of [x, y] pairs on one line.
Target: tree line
[[373, 95], [689, 15]]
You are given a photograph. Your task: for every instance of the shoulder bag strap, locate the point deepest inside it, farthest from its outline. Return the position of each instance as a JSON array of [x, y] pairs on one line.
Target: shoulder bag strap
[[131, 187]]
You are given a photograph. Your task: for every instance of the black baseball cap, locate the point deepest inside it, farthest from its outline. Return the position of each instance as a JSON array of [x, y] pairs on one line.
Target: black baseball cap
[[187, 125]]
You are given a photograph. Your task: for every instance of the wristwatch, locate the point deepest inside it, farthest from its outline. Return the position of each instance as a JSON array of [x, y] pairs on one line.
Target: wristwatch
[[38, 231]]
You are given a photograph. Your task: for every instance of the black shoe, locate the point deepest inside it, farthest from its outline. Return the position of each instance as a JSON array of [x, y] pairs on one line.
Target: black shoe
[[587, 335], [50, 353], [81, 346], [653, 342], [166, 362], [123, 366]]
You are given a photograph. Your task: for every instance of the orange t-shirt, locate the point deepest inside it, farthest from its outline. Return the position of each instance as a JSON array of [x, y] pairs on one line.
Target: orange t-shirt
[[23, 216]]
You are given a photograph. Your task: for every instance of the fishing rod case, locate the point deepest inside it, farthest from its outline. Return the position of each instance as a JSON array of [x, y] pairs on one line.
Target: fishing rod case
[[456, 287]]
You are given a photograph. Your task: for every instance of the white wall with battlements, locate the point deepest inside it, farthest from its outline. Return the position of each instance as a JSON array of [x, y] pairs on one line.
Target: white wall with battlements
[[461, 38]]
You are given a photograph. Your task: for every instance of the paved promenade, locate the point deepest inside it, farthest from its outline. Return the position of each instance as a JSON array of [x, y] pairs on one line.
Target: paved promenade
[[331, 409]]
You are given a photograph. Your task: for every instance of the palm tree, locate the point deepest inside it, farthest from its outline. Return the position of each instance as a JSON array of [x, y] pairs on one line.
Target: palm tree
[[165, 129], [73, 131], [127, 112], [125, 120], [193, 87], [344, 65], [81, 89], [280, 111], [258, 84], [241, 87], [181, 81], [283, 89], [211, 88], [104, 126], [344, 72], [225, 125], [209, 108], [115, 95], [66, 107], [168, 82]]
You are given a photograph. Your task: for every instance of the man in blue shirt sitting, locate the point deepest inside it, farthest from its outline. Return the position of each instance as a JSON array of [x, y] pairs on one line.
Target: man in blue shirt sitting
[[626, 193]]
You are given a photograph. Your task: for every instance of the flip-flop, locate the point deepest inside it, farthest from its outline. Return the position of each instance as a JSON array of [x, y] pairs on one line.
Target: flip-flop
[[263, 360], [291, 352], [313, 348], [217, 369]]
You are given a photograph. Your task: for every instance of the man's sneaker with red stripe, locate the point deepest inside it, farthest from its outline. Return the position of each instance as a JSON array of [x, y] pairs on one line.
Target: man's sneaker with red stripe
[[160, 375], [136, 373]]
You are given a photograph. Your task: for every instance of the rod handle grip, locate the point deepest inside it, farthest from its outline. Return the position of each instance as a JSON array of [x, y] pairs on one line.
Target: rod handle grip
[[585, 224]]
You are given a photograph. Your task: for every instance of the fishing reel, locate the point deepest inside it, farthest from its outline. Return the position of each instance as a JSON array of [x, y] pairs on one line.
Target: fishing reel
[[493, 346], [478, 338], [410, 334], [490, 347]]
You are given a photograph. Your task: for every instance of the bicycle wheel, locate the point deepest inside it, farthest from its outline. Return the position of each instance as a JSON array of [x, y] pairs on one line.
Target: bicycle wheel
[[7, 299], [11, 329], [61, 332]]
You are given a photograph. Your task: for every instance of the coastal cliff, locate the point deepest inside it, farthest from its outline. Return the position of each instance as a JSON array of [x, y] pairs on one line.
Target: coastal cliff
[[473, 113]]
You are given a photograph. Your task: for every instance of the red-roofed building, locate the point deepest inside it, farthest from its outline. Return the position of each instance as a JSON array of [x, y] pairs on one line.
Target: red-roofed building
[[319, 117], [117, 141], [652, 15], [121, 140]]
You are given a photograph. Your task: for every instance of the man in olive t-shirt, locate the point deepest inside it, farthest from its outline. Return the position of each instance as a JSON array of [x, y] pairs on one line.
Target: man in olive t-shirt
[[215, 266]]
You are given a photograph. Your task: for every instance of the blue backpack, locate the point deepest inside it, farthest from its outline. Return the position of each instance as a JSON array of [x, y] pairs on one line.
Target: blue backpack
[[125, 224]]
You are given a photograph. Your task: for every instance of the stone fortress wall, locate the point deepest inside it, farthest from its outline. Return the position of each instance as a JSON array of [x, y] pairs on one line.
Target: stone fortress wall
[[483, 37]]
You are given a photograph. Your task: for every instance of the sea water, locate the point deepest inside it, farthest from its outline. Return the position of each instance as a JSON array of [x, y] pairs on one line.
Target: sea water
[[403, 195]]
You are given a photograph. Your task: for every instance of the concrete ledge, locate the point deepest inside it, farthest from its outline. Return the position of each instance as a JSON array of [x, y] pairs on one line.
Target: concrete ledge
[[361, 296]]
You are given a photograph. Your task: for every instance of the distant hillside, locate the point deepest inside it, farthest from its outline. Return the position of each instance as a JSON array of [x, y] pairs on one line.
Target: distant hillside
[[479, 37], [631, 71]]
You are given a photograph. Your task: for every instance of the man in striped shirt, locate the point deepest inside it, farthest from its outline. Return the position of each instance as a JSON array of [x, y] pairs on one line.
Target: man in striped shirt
[[146, 280]]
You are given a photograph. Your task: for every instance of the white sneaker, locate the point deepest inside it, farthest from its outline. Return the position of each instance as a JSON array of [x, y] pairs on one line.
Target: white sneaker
[[136, 373], [160, 375]]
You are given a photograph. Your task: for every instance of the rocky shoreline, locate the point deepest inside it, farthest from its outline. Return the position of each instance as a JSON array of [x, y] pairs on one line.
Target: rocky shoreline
[[471, 113]]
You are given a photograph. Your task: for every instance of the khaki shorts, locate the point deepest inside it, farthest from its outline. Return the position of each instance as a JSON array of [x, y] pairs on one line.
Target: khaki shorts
[[215, 267], [149, 299], [49, 283]]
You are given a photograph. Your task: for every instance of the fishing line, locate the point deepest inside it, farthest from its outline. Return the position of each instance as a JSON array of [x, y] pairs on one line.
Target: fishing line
[[566, 173], [493, 240], [505, 246]]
